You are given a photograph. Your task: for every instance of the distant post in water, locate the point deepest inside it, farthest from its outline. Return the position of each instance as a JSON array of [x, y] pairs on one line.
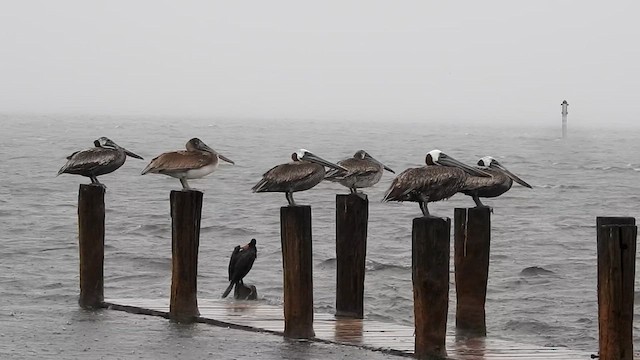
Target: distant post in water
[[297, 263], [91, 245], [472, 240], [352, 214], [616, 277], [186, 212], [565, 112], [430, 275]]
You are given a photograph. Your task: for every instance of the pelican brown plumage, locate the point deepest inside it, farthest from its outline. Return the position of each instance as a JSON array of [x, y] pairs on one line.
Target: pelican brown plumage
[[441, 178], [304, 172], [363, 171], [500, 181], [199, 160], [104, 158]]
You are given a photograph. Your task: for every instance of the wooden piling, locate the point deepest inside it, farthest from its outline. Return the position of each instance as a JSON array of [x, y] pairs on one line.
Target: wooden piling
[[297, 262], [472, 240], [616, 277], [186, 211], [245, 292], [91, 245], [430, 275], [352, 214]]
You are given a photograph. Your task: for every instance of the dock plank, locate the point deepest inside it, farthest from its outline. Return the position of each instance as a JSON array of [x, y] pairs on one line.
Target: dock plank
[[370, 334]]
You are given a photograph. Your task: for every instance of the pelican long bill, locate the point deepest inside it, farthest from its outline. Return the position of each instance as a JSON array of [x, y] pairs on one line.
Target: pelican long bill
[[513, 176], [381, 164], [449, 161], [224, 158], [132, 154], [318, 160]]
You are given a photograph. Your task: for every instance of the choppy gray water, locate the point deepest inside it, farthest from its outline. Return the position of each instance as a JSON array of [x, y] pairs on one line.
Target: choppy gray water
[[593, 173]]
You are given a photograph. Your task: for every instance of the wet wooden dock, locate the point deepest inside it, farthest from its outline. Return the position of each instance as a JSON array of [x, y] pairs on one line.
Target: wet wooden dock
[[390, 338]]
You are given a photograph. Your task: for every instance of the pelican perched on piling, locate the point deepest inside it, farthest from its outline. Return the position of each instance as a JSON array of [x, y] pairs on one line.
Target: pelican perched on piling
[[500, 181], [440, 179], [304, 172], [199, 160], [104, 158], [363, 171]]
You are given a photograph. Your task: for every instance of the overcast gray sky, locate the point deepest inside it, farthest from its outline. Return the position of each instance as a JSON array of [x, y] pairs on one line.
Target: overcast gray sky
[[396, 60]]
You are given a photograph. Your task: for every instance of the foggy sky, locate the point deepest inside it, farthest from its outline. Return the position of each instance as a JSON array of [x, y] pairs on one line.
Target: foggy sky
[[380, 60]]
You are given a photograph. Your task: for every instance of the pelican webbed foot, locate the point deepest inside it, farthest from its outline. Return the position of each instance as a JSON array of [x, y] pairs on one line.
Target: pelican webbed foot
[[479, 203], [484, 206], [360, 194], [94, 181]]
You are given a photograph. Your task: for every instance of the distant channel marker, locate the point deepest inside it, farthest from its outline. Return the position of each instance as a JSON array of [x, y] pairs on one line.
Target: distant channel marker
[[565, 112]]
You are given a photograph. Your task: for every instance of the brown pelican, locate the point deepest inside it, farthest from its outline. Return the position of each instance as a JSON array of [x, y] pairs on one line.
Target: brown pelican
[[104, 158], [441, 178], [364, 171], [240, 263], [304, 172], [500, 181], [197, 161]]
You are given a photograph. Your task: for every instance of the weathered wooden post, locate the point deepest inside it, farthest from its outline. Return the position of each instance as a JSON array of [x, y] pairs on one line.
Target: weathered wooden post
[[472, 239], [91, 244], [186, 211], [352, 214], [430, 275], [244, 292], [297, 263], [616, 276]]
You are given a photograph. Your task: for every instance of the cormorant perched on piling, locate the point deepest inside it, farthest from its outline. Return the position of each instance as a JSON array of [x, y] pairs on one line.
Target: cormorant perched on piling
[[240, 263], [104, 158]]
